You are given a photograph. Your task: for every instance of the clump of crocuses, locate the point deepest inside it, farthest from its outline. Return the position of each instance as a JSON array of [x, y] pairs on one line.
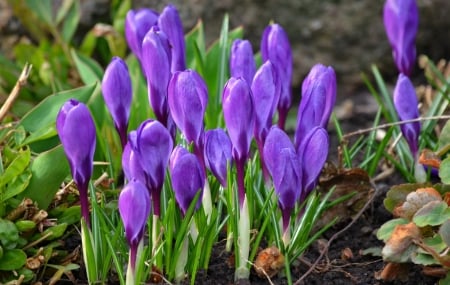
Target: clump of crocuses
[[79, 146]]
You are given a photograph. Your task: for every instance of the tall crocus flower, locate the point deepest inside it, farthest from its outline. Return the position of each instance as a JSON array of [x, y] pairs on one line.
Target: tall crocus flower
[[405, 102], [217, 153], [275, 47], [401, 20], [242, 62], [137, 24], [156, 58], [188, 98], [169, 22], [117, 93], [285, 168], [239, 114], [153, 147], [79, 146], [318, 99], [313, 152], [134, 209], [266, 93]]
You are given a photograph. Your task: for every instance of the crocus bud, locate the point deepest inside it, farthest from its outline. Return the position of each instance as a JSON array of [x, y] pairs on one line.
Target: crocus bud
[[242, 62], [76, 130], [156, 57], [313, 153], [130, 162], [285, 168], [218, 154], [239, 114], [153, 147], [401, 20], [266, 93], [405, 102], [318, 99], [187, 177], [134, 208], [170, 23], [275, 47], [137, 24], [188, 97], [116, 89]]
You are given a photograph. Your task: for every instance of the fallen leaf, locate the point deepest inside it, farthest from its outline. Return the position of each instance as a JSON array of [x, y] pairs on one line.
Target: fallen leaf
[[429, 158], [399, 246], [393, 271], [269, 262]]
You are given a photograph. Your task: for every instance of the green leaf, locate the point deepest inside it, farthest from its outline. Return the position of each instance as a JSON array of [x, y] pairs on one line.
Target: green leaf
[[444, 137], [16, 167], [444, 171], [397, 194], [17, 186], [13, 259], [444, 232], [90, 71], [70, 215], [55, 231], [385, 231], [423, 259], [71, 19], [9, 234], [44, 114], [432, 214], [43, 9], [195, 47], [48, 172]]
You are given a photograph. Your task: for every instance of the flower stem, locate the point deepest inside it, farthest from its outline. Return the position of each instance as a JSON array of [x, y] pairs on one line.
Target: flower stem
[[242, 270], [240, 172]]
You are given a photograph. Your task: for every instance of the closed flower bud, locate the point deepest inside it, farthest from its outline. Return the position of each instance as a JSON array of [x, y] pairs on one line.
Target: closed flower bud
[[130, 162], [76, 130], [169, 22], [401, 20], [242, 63], [156, 57], [275, 47], [116, 89], [405, 102], [318, 99], [188, 98], [313, 153], [239, 113], [285, 168], [218, 154], [137, 24], [187, 177]]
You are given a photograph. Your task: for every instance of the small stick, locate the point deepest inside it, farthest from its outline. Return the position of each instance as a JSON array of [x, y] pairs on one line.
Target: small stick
[[16, 90], [383, 126]]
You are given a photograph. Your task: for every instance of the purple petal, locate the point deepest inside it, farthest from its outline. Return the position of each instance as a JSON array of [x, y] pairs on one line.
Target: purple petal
[[134, 209], [242, 63], [187, 178], [239, 115], [188, 98], [116, 89], [401, 21], [405, 102], [137, 24], [218, 154], [170, 23]]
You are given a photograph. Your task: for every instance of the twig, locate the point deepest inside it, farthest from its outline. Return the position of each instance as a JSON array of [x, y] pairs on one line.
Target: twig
[[387, 125], [363, 209], [16, 90]]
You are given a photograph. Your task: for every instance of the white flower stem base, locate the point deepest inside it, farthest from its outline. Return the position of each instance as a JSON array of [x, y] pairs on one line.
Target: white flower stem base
[[242, 271]]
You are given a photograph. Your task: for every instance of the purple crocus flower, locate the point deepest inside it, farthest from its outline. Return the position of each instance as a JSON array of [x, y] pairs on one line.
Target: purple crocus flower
[[153, 147], [217, 152], [318, 99], [116, 89], [169, 22], [188, 98], [285, 168], [131, 165], [242, 63], [401, 20], [313, 153], [405, 102], [156, 57], [76, 130], [187, 177], [275, 47], [266, 93], [239, 114], [134, 209], [137, 24]]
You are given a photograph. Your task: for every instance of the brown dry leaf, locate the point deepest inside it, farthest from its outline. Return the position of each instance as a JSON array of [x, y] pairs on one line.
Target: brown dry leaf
[[399, 242], [393, 271], [430, 158], [346, 254], [269, 262], [34, 263], [415, 201], [345, 181], [156, 276]]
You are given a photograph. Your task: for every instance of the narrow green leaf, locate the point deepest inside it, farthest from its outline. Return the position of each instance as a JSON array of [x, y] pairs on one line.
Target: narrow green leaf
[[43, 9], [71, 20], [16, 167], [17, 186], [90, 71]]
